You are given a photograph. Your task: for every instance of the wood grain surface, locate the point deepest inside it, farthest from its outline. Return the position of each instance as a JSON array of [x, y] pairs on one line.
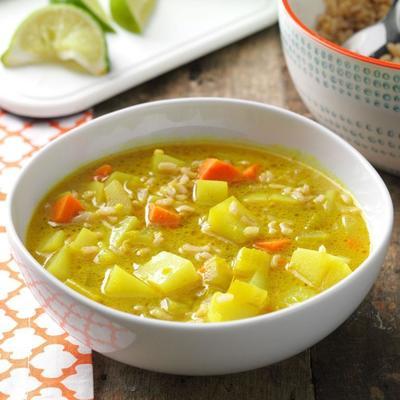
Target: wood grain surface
[[361, 359]]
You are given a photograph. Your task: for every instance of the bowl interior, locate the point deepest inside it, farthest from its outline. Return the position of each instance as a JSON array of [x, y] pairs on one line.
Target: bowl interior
[[307, 10], [188, 119]]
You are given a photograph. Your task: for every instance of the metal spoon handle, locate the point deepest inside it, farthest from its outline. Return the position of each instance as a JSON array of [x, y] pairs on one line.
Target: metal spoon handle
[[392, 22], [392, 27]]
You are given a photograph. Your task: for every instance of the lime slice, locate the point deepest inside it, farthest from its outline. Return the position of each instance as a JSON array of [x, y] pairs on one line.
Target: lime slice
[[132, 14], [93, 8], [59, 33]]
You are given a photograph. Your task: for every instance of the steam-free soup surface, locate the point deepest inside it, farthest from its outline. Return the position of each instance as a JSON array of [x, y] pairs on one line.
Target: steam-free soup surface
[[199, 232]]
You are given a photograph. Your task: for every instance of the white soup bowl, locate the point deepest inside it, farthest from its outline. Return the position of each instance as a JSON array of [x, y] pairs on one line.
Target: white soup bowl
[[189, 348]]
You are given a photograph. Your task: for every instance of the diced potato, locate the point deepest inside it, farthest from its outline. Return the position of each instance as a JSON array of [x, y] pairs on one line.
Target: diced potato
[[59, 264], [169, 273], [119, 283], [53, 242], [282, 199], [82, 290], [119, 233], [249, 294], [256, 198], [130, 180], [296, 293], [84, 238], [173, 307], [248, 261], [338, 270], [309, 266], [217, 272], [105, 257], [260, 278], [208, 193], [319, 270], [160, 157], [115, 194], [98, 189], [229, 220], [224, 307]]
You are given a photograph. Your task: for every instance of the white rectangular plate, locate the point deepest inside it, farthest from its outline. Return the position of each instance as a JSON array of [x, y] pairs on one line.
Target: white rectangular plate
[[179, 31]]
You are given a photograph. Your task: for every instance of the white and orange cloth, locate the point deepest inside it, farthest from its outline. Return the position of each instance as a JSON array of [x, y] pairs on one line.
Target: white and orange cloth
[[38, 359]]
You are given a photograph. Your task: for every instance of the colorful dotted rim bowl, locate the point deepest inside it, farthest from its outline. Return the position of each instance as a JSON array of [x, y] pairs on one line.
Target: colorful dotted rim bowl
[[355, 96]]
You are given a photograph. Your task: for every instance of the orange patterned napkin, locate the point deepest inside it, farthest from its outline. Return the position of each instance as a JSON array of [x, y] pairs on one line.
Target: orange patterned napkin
[[38, 359]]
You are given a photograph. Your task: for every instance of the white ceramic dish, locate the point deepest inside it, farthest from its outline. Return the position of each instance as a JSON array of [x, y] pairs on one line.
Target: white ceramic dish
[[357, 97], [196, 349], [179, 32]]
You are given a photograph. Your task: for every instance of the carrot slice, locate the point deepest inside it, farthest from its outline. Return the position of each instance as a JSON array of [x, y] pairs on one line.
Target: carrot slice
[[103, 171], [251, 172], [217, 170], [65, 208], [273, 246], [161, 216]]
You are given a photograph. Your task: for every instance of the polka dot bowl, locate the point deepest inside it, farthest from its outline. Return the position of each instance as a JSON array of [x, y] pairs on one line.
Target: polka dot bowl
[[355, 96]]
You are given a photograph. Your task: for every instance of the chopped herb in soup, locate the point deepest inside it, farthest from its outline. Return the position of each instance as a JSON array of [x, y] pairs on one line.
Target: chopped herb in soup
[[200, 232]]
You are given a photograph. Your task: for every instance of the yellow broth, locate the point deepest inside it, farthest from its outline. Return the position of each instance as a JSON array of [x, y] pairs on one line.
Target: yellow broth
[[320, 215]]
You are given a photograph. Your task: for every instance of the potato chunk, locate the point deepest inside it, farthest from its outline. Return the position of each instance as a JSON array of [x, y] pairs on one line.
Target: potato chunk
[[105, 257], [119, 233], [248, 261], [209, 193], [115, 194], [293, 294], [310, 266], [338, 270], [84, 238], [260, 278], [169, 273], [98, 189], [123, 178], [249, 294], [224, 307], [59, 264], [161, 162], [217, 272], [317, 269], [119, 283], [229, 220], [53, 242]]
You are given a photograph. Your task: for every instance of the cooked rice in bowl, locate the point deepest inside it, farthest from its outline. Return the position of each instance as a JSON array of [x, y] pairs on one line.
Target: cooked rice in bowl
[[343, 18]]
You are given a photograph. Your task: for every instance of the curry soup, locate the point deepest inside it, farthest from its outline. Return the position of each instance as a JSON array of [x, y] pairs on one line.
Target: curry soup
[[200, 232]]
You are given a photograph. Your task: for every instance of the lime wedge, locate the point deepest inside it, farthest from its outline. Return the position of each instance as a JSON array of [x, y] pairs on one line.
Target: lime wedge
[[59, 33], [93, 8], [132, 14]]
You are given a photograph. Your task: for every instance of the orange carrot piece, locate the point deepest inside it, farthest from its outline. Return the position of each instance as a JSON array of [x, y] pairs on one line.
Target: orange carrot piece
[[251, 172], [217, 170], [65, 208], [161, 216], [103, 171], [273, 246]]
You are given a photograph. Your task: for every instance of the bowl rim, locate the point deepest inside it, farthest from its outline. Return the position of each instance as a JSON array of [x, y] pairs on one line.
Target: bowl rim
[[335, 47], [124, 317]]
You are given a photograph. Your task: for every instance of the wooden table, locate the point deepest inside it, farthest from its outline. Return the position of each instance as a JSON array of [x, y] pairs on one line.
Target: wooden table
[[361, 359]]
